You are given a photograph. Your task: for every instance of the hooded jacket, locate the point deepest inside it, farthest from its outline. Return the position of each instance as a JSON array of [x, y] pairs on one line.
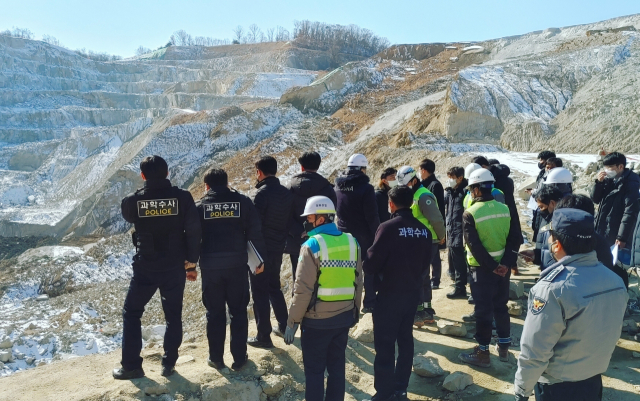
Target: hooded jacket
[[382, 200], [454, 209], [559, 342], [356, 206], [618, 211], [303, 186], [303, 304], [501, 174], [435, 186], [274, 202]]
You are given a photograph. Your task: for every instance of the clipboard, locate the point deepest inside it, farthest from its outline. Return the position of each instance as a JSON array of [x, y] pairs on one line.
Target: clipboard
[[255, 260]]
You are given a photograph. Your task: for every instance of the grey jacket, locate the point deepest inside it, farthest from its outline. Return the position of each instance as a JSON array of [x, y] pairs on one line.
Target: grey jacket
[[560, 341], [429, 208]]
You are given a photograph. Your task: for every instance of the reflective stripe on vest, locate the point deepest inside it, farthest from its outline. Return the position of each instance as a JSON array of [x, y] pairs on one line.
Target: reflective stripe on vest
[[468, 199], [417, 213], [338, 261], [492, 220]]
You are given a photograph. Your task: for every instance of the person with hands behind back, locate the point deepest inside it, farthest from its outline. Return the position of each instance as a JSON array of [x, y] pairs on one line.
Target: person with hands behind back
[[327, 296], [167, 240], [491, 244]]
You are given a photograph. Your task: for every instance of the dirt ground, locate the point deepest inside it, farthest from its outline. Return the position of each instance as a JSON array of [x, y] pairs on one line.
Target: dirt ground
[[89, 378]]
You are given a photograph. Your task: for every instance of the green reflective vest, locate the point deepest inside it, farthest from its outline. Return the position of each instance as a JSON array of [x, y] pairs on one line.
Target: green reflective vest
[[493, 221], [417, 213], [338, 262], [468, 199]]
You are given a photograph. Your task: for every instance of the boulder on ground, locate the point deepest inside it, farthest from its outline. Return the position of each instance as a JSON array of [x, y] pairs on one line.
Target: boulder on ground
[[272, 384], [516, 289], [363, 331], [515, 308], [427, 366], [225, 389], [457, 381], [185, 359], [6, 343], [452, 328], [153, 333], [6, 357]]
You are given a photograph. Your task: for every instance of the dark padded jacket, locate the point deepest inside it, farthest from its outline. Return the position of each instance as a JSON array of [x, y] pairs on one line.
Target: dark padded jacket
[[436, 188], [167, 228], [356, 206], [229, 219], [618, 211], [382, 200], [454, 208], [472, 239], [274, 202], [303, 186], [400, 254], [504, 183]]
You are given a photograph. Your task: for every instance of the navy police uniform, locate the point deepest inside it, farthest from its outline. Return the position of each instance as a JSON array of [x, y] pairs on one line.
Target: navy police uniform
[[229, 220], [167, 233], [399, 256]]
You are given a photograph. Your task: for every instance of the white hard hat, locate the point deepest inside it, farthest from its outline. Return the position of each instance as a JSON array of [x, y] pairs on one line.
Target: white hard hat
[[405, 174], [358, 160], [559, 175], [319, 205], [480, 176], [470, 169]]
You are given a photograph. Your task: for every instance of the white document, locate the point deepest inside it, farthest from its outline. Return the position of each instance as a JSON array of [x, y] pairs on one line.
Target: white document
[[533, 205], [255, 260], [614, 252]]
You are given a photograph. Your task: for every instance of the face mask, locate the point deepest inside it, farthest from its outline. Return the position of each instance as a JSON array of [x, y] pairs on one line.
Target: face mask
[[610, 173], [553, 255], [393, 184], [308, 226], [542, 166], [544, 213], [452, 183]]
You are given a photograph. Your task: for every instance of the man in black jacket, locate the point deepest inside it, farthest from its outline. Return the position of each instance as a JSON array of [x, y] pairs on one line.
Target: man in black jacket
[[229, 220], [453, 198], [167, 240], [358, 214], [387, 181], [400, 254], [427, 172], [616, 191], [543, 157], [504, 183], [273, 202], [303, 186]]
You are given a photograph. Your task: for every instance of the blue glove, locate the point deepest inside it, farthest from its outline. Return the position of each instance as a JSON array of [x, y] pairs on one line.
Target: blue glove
[[290, 334]]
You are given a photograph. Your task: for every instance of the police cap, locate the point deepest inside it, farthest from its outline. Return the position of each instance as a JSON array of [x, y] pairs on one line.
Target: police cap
[[573, 223]]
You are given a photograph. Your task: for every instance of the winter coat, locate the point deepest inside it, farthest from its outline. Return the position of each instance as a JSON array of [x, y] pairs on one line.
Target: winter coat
[[167, 228], [505, 184], [454, 208], [382, 199], [618, 211], [356, 206], [400, 254], [303, 186], [274, 202], [229, 220], [303, 304], [433, 185]]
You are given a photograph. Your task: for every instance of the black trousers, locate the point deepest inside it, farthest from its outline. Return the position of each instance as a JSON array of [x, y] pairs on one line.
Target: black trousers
[[584, 390], [230, 287], [266, 290], [491, 293], [436, 266], [425, 292], [324, 349], [393, 323], [294, 266], [458, 262], [143, 285]]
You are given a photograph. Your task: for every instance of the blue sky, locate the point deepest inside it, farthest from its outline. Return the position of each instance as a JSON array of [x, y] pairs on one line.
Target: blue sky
[[120, 26]]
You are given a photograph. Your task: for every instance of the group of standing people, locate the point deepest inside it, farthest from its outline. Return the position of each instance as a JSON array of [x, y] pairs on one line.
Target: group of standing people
[[357, 249]]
